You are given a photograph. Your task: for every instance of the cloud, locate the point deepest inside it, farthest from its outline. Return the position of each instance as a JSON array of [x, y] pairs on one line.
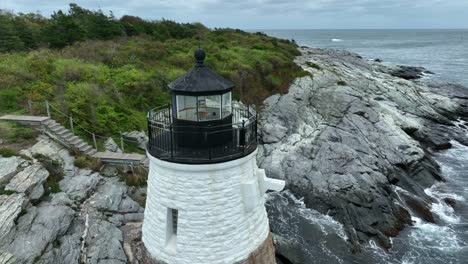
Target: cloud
[[276, 13]]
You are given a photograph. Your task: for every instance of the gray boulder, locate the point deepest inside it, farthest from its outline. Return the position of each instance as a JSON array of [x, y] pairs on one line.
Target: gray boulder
[[80, 186], [138, 138], [29, 181], [111, 146], [38, 229], [104, 242], [11, 207], [9, 167]]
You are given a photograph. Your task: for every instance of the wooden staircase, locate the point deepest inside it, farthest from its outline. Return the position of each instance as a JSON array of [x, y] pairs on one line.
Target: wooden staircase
[[67, 137]]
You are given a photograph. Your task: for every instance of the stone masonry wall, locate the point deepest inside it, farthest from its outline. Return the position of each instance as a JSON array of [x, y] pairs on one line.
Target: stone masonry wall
[[220, 220]]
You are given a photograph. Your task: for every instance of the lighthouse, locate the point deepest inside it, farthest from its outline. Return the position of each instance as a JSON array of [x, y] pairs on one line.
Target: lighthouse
[[205, 200]]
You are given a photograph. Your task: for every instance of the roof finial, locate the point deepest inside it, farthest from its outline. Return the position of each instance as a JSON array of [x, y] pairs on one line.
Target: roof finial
[[200, 55]]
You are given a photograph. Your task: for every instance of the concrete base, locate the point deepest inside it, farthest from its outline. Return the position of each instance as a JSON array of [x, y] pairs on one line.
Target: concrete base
[[264, 254]]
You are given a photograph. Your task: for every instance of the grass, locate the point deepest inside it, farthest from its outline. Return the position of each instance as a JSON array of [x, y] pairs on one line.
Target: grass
[[14, 132], [87, 162], [138, 177], [8, 152]]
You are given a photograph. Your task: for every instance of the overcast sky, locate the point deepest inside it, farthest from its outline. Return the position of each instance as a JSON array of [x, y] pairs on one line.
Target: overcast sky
[[277, 14]]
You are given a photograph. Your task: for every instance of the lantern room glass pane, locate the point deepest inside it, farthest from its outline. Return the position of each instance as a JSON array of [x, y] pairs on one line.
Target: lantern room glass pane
[[186, 107], [209, 107], [227, 104]]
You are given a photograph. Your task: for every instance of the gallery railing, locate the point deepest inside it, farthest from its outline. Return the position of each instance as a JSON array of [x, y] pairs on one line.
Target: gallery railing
[[170, 141]]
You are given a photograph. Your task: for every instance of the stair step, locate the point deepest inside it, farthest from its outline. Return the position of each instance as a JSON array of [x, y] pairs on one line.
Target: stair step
[[90, 152], [71, 139], [53, 125], [80, 144], [67, 135], [62, 131], [85, 148], [49, 122], [57, 129], [75, 140]]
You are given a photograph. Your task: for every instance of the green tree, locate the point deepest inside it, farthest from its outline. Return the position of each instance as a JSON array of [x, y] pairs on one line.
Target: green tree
[[9, 39], [62, 30]]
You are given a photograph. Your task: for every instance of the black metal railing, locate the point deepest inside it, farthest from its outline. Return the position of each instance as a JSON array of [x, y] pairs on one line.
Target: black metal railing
[[219, 143]]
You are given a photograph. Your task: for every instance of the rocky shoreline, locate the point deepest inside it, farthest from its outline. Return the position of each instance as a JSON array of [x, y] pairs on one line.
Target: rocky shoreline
[[355, 142]]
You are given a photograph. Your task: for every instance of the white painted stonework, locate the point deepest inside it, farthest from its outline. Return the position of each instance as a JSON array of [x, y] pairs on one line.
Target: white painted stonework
[[221, 212]]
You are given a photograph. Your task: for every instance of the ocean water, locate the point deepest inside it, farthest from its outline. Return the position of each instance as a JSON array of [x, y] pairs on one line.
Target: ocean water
[[444, 52]]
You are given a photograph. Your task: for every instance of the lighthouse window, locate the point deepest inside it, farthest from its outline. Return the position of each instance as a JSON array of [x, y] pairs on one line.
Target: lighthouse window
[[209, 107], [226, 104], [186, 107], [171, 227], [174, 213]]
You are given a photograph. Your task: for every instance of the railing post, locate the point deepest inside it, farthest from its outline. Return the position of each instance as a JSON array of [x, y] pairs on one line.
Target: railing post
[[94, 141], [171, 141], [243, 136], [122, 142], [71, 125], [47, 108], [30, 107]]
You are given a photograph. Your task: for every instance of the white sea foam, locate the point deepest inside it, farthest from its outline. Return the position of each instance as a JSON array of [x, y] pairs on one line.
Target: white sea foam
[[336, 40]]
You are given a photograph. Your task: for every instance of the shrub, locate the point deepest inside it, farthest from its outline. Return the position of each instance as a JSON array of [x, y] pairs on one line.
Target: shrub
[[341, 83], [87, 162], [313, 65], [8, 152], [5, 192], [55, 169]]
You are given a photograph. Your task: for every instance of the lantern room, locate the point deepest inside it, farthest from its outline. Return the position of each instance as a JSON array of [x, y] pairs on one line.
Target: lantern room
[[202, 121]]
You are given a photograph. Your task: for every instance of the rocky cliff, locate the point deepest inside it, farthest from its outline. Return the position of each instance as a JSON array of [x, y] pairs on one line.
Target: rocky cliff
[[79, 221], [354, 140]]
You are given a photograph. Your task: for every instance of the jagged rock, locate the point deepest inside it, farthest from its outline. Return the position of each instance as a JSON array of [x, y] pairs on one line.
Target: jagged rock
[[49, 148], [80, 186], [109, 171], [29, 181], [111, 146], [342, 147], [11, 206], [38, 229], [409, 72], [137, 137], [104, 242], [112, 197], [7, 258], [9, 167]]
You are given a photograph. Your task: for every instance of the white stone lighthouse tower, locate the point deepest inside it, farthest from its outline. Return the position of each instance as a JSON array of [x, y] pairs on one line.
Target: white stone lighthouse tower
[[205, 202]]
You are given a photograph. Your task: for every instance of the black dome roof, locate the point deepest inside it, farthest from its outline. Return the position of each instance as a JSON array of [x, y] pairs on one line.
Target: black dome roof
[[200, 79]]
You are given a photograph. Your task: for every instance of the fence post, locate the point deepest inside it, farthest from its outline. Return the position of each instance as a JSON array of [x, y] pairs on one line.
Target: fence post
[[243, 139], [47, 108], [30, 107], [122, 142], [172, 145], [71, 125], [94, 141]]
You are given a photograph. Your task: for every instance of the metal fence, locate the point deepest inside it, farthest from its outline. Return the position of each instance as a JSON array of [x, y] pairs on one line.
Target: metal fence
[[166, 139]]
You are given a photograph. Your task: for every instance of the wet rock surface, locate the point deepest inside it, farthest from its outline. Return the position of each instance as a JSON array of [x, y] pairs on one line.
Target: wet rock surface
[[350, 134]]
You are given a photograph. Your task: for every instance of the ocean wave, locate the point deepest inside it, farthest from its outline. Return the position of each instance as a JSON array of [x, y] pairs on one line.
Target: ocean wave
[[336, 40]]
